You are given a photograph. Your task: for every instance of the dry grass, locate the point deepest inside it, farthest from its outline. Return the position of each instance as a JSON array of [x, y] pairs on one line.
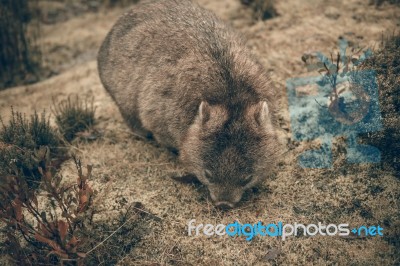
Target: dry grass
[[386, 62], [73, 115], [130, 170]]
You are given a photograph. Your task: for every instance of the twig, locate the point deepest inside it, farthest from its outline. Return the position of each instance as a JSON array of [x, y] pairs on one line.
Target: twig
[[113, 233], [319, 103], [119, 228]]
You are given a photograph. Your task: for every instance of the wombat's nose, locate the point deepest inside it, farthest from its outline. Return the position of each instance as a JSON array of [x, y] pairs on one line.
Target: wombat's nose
[[224, 205]]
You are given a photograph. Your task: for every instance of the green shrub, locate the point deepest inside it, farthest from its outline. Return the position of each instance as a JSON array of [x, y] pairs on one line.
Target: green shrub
[[62, 231], [29, 134], [21, 142], [262, 9], [37, 234], [53, 225], [73, 116]]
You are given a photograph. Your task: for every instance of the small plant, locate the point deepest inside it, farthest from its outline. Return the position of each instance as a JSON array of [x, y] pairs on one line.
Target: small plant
[[340, 66], [73, 116], [29, 134], [372, 86], [47, 221], [43, 235], [55, 226], [262, 9], [20, 141]]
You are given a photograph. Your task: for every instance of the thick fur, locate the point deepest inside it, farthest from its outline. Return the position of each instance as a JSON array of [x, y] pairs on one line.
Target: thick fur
[[180, 74]]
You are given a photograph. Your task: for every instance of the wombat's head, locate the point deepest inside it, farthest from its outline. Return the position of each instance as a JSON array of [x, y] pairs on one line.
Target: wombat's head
[[230, 149]]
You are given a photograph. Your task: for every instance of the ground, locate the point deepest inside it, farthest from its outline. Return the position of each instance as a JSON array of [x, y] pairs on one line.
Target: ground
[[128, 169]]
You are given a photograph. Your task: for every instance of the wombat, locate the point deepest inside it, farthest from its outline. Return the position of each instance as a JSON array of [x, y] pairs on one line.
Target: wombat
[[182, 76]]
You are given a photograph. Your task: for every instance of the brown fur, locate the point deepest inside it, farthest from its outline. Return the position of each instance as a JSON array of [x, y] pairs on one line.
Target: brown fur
[[179, 73]]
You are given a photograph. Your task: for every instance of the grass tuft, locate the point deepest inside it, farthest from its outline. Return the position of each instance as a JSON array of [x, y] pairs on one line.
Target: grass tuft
[[22, 141], [28, 133], [74, 115], [262, 9]]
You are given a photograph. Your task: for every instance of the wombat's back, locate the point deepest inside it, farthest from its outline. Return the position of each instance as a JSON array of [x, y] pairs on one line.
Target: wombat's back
[[162, 58]]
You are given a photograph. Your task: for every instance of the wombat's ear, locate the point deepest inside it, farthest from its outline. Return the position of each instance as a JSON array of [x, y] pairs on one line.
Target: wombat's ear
[[204, 112], [262, 113]]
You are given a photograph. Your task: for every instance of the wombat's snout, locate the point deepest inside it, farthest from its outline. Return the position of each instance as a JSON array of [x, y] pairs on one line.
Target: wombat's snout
[[225, 198], [224, 205]]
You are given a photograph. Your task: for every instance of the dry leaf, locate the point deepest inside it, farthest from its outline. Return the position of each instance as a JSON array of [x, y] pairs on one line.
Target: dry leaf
[[49, 242], [58, 253], [83, 199], [62, 229], [73, 241], [81, 254], [18, 210]]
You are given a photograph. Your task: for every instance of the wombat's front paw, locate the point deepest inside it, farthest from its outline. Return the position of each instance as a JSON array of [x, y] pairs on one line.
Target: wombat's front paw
[[186, 178], [142, 133]]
